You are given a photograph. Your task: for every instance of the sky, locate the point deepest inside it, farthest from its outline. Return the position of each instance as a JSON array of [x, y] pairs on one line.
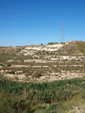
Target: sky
[[32, 22]]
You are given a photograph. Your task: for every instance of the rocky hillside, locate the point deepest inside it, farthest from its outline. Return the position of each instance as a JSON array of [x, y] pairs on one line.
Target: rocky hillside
[[43, 78], [42, 63], [10, 50], [73, 48]]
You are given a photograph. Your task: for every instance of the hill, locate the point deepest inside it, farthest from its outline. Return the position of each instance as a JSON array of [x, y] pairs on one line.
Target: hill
[[73, 48], [43, 78], [41, 63]]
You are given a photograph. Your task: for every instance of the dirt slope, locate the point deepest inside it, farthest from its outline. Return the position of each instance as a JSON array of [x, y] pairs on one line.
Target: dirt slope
[[73, 48]]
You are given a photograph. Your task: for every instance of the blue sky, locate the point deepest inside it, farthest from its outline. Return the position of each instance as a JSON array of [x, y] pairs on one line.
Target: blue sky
[[30, 22]]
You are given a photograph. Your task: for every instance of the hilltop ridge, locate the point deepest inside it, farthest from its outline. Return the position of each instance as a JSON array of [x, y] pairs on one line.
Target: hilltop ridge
[[73, 48]]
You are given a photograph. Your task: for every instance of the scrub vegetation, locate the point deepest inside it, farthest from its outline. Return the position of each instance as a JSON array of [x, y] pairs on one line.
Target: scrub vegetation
[[53, 97], [43, 78]]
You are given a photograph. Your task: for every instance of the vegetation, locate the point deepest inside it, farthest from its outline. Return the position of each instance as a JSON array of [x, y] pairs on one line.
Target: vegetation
[[25, 96], [73, 48], [32, 97], [51, 43], [37, 75]]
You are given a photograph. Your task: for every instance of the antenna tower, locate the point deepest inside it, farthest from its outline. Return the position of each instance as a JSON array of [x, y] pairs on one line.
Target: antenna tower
[[62, 33]]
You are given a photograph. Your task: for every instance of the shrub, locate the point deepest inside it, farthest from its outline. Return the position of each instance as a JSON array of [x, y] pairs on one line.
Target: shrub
[[9, 65], [12, 72], [37, 75]]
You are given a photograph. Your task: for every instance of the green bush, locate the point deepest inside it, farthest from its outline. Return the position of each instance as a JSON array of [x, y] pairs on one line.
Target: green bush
[[12, 72], [9, 65], [37, 75]]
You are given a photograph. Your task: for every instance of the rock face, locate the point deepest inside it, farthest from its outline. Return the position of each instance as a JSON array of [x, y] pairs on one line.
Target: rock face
[[53, 47], [54, 61], [32, 49]]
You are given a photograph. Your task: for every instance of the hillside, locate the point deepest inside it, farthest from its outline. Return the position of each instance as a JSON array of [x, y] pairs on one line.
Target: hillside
[[41, 63], [73, 48], [43, 78]]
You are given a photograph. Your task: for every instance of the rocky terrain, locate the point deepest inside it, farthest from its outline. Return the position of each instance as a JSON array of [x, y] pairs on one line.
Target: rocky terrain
[[43, 63], [43, 78]]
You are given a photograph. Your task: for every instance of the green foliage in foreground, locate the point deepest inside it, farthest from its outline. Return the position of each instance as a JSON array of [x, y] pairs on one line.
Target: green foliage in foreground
[[32, 97]]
